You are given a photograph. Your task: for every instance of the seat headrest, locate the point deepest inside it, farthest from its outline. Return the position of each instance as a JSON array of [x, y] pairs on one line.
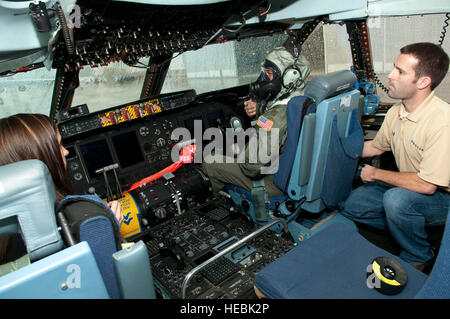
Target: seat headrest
[[27, 207], [330, 84]]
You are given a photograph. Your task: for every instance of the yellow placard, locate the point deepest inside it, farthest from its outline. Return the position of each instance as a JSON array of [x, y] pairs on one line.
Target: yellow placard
[[130, 225]]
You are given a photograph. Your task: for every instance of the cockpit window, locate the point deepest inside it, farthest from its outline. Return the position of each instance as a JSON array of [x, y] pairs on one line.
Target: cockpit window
[[220, 66], [213, 67], [27, 92], [106, 86]]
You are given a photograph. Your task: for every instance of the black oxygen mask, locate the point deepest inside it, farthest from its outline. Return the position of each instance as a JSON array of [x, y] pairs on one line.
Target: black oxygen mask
[[264, 89]]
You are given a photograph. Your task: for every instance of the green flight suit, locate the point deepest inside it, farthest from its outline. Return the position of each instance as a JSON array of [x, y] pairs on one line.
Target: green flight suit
[[242, 174], [272, 121]]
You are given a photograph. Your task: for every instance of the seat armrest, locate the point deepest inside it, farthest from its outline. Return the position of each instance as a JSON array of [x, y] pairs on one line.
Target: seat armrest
[[134, 273]]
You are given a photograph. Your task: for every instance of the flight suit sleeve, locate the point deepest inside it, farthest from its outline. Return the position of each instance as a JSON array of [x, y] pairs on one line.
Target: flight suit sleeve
[[263, 148]]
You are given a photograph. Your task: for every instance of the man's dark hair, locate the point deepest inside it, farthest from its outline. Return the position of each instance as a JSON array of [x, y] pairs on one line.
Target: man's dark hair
[[433, 61]]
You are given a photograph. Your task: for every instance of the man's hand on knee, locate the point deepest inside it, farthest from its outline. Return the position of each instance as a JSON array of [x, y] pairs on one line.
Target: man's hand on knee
[[368, 173]]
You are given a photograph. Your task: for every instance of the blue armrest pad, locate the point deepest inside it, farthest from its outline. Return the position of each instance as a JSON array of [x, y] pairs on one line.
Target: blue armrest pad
[[133, 270], [331, 264]]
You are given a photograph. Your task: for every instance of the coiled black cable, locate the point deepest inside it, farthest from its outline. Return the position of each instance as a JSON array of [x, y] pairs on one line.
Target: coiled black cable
[[379, 83], [444, 29], [65, 29]]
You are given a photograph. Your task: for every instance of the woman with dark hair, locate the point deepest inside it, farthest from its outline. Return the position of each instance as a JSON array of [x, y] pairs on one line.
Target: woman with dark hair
[[35, 136]]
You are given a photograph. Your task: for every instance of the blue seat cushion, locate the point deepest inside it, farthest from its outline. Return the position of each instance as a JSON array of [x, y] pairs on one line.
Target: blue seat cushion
[[297, 108], [438, 284], [342, 162], [331, 264], [91, 220]]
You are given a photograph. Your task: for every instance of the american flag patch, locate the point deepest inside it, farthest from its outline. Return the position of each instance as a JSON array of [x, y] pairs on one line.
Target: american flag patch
[[264, 123]]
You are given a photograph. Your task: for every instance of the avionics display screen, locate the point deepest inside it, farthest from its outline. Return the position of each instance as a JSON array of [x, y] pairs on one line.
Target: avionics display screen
[[96, 155], [127, 149]]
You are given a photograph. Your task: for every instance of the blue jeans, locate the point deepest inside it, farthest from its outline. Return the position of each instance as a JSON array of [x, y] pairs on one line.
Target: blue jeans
[[403, 212]]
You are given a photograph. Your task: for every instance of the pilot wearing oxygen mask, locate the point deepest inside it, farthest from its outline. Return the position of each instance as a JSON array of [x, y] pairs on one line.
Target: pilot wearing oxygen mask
[[283, 76]]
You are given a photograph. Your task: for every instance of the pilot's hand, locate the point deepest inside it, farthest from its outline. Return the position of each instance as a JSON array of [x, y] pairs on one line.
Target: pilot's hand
[[117, 210], [368, 173], [250, 107]]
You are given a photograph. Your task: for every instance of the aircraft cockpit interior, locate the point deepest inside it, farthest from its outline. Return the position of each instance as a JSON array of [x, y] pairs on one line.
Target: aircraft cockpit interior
[[142, 92]]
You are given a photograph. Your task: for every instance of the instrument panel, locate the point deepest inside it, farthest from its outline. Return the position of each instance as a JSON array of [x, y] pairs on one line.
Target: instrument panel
[[177, 216], [176, 248], [76, 121], [131, 147]]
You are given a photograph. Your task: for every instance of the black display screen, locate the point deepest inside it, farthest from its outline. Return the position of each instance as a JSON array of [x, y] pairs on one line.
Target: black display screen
[[96, 155], [127, 149]]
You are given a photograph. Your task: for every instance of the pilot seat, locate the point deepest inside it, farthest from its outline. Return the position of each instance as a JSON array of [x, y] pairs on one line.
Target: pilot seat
[[56, 265], [319, 160]]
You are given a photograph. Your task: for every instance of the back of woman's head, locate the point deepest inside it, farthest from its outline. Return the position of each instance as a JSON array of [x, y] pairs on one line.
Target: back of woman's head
[[33, 136]]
